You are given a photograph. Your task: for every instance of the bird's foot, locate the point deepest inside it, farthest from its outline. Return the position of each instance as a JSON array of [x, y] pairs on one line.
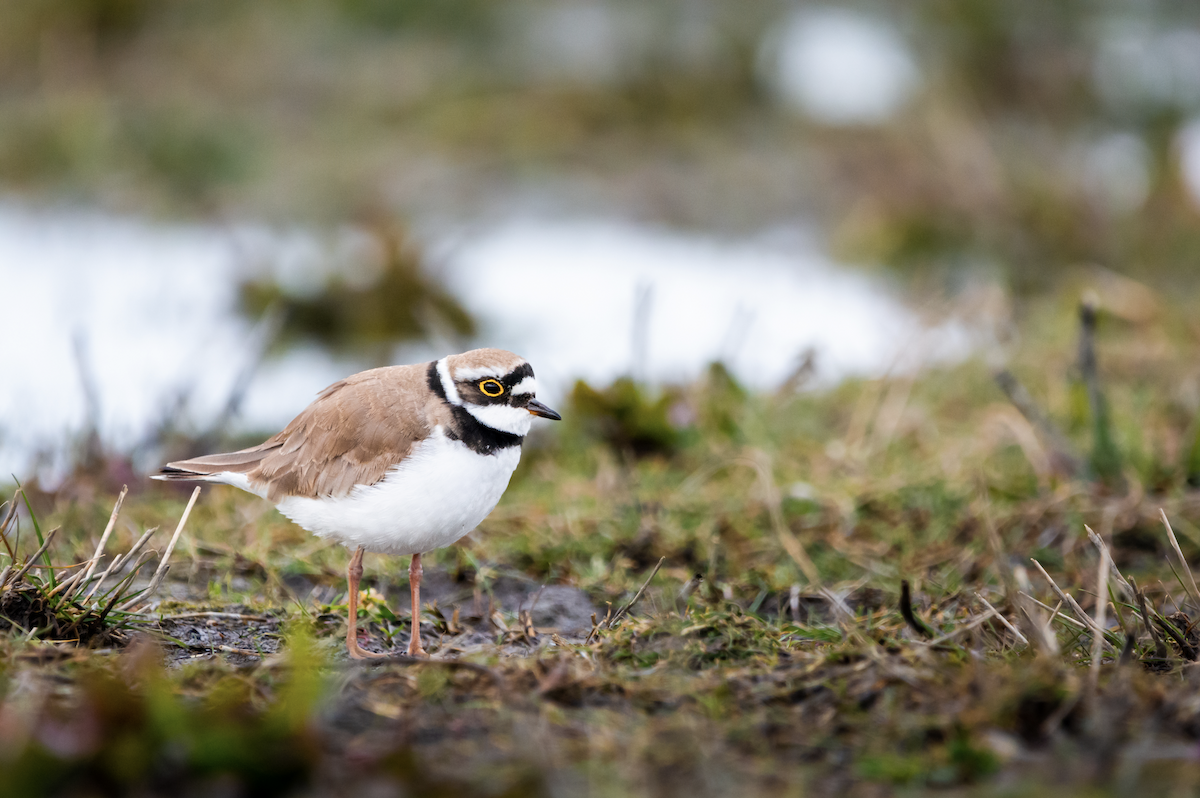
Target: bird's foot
[[358, 652]]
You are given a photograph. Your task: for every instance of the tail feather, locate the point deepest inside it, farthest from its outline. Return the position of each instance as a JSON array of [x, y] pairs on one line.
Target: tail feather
[[198, 468], [169, 474]]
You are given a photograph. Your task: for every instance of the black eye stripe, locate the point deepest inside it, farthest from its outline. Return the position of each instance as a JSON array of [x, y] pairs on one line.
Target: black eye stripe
[[516, 375]]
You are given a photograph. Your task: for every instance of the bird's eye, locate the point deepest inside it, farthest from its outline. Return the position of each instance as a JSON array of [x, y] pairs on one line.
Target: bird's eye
[[491, 387]]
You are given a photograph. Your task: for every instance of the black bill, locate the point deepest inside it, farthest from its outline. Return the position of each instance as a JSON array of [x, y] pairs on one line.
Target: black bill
[[539, 409]]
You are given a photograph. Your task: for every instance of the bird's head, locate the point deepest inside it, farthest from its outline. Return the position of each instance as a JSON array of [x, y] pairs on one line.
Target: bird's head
[[496, 387]]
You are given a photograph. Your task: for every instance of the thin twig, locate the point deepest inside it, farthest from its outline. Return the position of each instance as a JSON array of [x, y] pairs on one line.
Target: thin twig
[[621, 612], [1074, 605], [790, 543], [1047, 641], [118, 592], [1191, 580], [66, 585], [120, 561], [1160, 648], [1003, 620], [29, 563], [906, 611], [112, 522], [526, 616], [1054, 613], [1099, 543], [1101, 618], [163, 564], [840, 608], [537, 596], [245, 652], [235, 616], [1064, 459], [998, 555], [8, 518], [1105, 459], [973, 624]]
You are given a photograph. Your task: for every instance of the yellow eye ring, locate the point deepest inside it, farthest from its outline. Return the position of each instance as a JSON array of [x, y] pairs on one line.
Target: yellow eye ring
[[491, 388]]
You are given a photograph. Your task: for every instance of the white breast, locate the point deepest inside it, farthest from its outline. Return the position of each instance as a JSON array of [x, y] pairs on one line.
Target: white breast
[[439, 493]]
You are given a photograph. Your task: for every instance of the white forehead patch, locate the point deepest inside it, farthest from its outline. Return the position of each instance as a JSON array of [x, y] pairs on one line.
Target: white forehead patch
[[470, 375], [443, 369], [527, 385], [506, 418]]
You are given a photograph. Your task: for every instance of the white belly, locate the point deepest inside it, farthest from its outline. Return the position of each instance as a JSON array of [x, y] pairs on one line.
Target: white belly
[[438, 494]]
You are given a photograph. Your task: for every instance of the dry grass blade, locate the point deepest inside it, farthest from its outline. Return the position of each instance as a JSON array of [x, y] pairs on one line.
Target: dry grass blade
[[538, 596], [1054, 613], [1102, 547], [8, 519], [998, 554], [1160, 648], [66, 585], [118, 593], [116, 565], [164, 564], [112, 522], [235, 616], [1190, 584], [790, 543], [42, 550], [621, 612], [761, 463], [1065, 460], [840, 608], [1024, 640], [1041, 628], [979, 621], [1101, 617], [1088, 622]]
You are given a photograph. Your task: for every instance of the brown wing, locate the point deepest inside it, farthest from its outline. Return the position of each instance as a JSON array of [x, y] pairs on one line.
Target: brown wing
[[350, 435]]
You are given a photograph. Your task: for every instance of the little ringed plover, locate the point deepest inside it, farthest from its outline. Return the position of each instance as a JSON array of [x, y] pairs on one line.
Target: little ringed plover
[[395, 460]]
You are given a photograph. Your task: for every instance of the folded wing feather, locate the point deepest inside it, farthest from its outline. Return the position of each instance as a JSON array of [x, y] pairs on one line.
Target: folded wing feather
[[350, 435]]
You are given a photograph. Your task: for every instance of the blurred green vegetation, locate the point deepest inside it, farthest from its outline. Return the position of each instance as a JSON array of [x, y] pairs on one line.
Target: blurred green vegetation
[[626, 416], [134, 732], [1012, 158], [392, 298]]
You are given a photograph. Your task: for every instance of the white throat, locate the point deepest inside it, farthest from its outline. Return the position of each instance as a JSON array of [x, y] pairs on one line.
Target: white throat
[[506, 418]]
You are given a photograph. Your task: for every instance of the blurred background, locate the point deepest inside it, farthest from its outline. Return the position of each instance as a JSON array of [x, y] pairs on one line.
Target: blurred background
[[209, 209]]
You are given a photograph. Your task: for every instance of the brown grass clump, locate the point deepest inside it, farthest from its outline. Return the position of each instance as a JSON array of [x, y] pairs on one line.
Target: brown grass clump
[[71, 603]]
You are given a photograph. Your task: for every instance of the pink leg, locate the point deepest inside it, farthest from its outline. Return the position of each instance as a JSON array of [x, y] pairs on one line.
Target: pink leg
[[353, 575], [414, 582]]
